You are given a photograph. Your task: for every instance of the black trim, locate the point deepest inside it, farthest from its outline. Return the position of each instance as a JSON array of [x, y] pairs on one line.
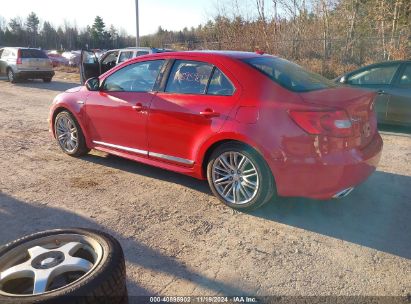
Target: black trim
[[209, 79], [166, 74]]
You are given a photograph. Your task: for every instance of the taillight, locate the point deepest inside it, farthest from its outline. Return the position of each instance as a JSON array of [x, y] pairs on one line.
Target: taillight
[[19, 61], [332, 123]]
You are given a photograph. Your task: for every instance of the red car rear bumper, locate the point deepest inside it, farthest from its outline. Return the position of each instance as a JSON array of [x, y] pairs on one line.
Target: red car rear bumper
[[325, 177]]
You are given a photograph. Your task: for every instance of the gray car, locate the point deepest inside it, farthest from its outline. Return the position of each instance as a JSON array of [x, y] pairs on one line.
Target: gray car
[[25, 63], [391, 81]]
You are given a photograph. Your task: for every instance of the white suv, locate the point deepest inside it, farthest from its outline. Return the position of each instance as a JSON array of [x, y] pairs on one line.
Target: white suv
[[25, 63]]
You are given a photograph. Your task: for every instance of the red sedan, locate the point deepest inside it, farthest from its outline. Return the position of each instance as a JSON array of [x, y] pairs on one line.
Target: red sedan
[[256, 126]]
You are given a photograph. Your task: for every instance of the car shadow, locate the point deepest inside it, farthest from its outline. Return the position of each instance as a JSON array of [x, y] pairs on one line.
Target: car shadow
[[377, 214], [27, 218], [54, 85], [112, 161]]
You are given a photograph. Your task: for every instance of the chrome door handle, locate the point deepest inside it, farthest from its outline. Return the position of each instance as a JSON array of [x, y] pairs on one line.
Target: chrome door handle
[[138, 107], [208, 113], [381, 92]]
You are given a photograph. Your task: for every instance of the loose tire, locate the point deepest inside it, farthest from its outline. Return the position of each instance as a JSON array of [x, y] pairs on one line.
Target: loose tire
[[69, 135], [65, 255], [240, 177], [11, 76]]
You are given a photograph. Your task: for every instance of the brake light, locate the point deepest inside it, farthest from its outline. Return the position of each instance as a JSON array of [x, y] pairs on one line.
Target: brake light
[[19, 61], [332, 123]]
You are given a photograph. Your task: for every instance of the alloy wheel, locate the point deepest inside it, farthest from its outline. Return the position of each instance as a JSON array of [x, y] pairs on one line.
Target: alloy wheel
[[235, 178], [48, 264], [67, 133]]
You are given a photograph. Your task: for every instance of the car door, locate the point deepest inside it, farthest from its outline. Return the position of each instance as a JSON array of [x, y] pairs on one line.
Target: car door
[[378, 78], [117, 113], [89, 65], [399, 105], [188, 110]]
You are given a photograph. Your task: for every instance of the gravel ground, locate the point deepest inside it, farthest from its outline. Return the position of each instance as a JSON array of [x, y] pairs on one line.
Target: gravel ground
[[179, 240]]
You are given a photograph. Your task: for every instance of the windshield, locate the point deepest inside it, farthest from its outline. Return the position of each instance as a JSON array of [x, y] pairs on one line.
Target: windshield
[[289, 75]]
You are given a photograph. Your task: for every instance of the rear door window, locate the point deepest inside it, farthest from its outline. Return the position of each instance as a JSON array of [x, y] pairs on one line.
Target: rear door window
[[31, 53], [189, 77], [289, 75], [220, 84], [379, 75]]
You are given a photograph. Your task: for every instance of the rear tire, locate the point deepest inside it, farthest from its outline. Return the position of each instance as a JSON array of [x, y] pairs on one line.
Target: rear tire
[[69, 135], [240, 177], [11, 76]]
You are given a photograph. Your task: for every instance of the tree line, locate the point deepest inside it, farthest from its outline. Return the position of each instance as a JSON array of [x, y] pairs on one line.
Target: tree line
[[29, 32], [328, 36]]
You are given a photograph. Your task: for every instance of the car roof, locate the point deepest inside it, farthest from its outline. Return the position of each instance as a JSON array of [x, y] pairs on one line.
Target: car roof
[[209, 54]]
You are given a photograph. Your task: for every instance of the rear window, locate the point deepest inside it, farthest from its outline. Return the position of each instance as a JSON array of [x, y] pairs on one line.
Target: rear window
[[289, 75], [29, 53]]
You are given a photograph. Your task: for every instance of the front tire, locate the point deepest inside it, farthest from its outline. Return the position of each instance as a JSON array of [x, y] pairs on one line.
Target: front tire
[[239, 177], [63, 266], [47, 80], [69, 135]]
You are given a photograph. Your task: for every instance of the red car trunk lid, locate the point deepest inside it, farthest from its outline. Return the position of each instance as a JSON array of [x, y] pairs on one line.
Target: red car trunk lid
[[358, 104]]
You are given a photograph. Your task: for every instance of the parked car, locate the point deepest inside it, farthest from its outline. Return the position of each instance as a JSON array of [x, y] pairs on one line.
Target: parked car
[[97, 64], [392, 82], [73, 57], [57, 59], [255, 126], [25, 63]]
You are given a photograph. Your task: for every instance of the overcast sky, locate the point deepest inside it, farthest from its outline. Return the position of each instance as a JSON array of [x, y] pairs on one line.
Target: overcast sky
[[169, 14]]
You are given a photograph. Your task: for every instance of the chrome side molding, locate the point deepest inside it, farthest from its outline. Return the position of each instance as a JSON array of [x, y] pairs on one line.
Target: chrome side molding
[[147, 153], [137, 151], [172, 158]]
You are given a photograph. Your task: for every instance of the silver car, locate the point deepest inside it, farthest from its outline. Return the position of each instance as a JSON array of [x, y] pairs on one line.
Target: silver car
[[25, 63]]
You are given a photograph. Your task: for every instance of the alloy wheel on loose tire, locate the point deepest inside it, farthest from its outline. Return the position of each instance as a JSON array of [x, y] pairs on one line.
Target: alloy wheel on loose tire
[[239, 177], [69, 135], [63, 266]]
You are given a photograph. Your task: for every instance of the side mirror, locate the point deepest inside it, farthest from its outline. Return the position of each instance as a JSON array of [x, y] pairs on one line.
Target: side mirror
[[343, 79], [93, 84]]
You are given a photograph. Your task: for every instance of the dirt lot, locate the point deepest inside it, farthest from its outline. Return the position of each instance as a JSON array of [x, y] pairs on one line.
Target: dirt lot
[[179, 240]]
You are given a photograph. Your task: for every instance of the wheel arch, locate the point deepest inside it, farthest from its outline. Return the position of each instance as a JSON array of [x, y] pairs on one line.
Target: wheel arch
[[210, 148], [61, 108]]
